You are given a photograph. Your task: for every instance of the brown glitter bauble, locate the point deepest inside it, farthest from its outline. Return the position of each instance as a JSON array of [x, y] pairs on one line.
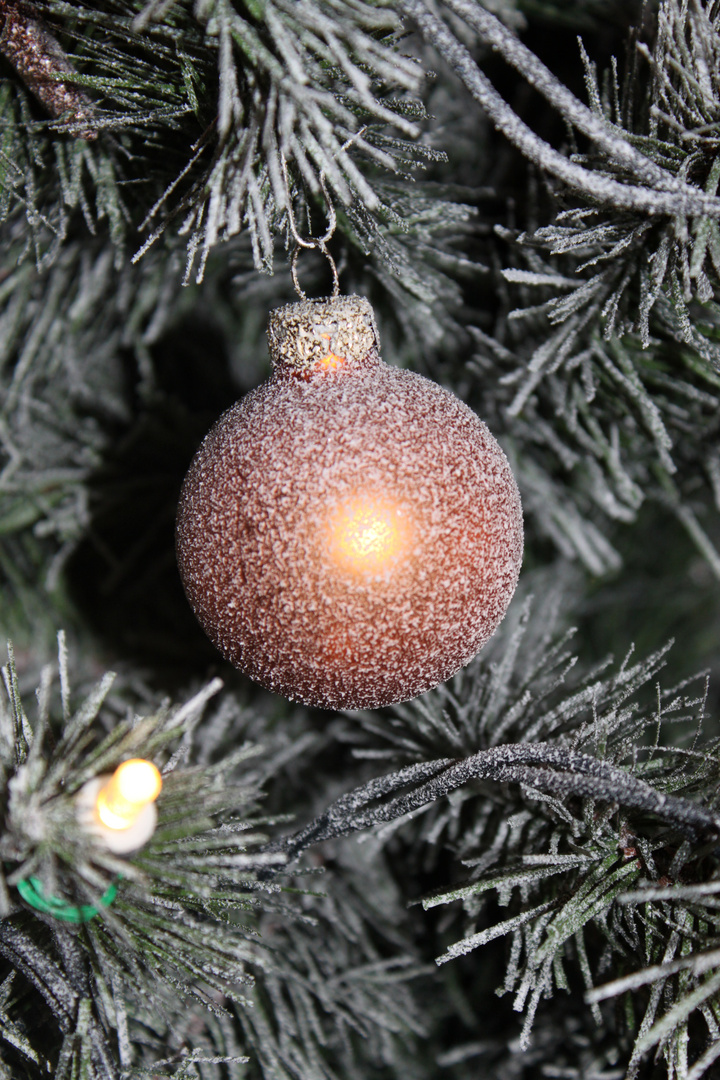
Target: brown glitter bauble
[[349, 534]]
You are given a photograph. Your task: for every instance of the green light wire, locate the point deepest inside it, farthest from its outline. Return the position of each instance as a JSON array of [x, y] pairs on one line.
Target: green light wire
[[33, 893]]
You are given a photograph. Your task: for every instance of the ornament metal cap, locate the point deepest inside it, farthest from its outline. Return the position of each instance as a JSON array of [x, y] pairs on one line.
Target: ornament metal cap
[[302, 335]]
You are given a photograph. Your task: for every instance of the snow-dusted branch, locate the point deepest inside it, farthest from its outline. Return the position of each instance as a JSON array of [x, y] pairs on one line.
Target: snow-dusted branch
[[541, 766], [668, 197], [584, 119]]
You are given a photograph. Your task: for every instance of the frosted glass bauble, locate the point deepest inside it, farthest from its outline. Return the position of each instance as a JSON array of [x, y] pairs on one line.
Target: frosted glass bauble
[[349, 534]]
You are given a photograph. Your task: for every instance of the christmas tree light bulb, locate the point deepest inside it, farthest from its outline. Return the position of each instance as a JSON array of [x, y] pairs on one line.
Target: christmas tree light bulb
[[132, 786], [119, 809]]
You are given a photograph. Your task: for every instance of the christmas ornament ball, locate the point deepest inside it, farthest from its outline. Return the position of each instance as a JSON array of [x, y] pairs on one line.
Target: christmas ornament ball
[[349, 534]]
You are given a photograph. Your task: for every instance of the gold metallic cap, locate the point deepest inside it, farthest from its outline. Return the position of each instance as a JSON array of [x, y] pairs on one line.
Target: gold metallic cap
[[302, 335]]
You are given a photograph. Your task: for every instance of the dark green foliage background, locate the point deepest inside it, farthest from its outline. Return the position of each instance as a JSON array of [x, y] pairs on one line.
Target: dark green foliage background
[[136, 272]]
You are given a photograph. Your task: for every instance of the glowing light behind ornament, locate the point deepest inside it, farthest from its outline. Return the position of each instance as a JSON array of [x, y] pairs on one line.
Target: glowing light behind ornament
[[368, 535], [133, 785], [332, 361]]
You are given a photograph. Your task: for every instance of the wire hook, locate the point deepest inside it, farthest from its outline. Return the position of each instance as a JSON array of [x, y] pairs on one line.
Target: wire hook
[[293, 269], [319, 243]]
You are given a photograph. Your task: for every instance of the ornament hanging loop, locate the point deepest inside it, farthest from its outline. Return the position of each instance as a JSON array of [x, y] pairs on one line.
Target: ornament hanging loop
[[293, 270], [319, 243]]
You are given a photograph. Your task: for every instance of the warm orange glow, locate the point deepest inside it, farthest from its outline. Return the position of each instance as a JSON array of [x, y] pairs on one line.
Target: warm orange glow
[[132, 786], [332, 361], [368, 534]]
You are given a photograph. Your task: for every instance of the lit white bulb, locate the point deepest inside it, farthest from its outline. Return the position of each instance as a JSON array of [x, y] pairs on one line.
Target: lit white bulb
[[120, 809]]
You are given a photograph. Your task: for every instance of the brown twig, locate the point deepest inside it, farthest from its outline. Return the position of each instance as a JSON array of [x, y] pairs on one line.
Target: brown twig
[[40, 62]]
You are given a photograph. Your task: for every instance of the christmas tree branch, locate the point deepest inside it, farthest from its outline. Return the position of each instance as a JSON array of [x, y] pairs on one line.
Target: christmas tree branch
[[603, 134], [544, 766], [607, 191], [179, 913], [591, 880]]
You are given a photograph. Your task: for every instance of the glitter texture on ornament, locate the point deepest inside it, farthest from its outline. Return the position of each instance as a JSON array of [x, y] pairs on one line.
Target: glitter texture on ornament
[[349, 534]]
